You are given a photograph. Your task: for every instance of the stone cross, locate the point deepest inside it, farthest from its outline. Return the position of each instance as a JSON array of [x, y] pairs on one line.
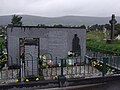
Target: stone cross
[[112, 22]]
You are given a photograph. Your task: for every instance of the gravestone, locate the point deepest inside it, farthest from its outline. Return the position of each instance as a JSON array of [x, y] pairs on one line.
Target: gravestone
[[112, 22], [31, 57]]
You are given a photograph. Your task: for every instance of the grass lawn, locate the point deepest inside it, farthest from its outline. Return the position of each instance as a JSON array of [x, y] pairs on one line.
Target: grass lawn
[[96, 42], [96, 36]]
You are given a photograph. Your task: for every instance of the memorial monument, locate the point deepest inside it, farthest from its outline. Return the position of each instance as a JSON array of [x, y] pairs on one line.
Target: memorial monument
[[28, 43], [76, 49], [112, 22]]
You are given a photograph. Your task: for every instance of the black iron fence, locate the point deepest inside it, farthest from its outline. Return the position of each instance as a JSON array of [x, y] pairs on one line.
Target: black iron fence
[[112, 60], [70, 68], [94, 65]]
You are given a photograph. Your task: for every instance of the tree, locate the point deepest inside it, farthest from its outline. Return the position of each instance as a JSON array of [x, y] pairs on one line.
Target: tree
[[58, 25], [93, 27], [16, 20], [83, 26], [107, 26], [117, 27]]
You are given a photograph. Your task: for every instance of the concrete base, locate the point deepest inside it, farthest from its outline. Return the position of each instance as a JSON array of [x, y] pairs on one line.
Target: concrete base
[[61, 80]]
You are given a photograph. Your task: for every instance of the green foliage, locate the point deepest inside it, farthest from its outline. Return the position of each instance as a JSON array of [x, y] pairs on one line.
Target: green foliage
[[2, 38], [100, 28], [3, 60], [58, 25], [95, 42], [2, 44], [107, 26], [103, 47], [83, 27], [16, 20], [96, 27], [117, 27], [96, 35]]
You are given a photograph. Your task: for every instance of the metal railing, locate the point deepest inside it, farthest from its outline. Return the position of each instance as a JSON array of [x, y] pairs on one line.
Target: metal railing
[[112, 60], [71, 67], [10, 73]]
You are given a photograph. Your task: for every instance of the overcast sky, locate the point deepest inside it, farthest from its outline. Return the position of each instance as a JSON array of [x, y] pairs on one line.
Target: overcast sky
[[55, 8]]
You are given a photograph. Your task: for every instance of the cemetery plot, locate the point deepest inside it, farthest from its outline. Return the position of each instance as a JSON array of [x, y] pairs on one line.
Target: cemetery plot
[[71, 72]]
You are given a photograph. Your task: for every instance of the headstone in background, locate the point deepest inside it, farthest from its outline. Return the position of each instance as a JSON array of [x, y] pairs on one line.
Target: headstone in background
[[112, 22]]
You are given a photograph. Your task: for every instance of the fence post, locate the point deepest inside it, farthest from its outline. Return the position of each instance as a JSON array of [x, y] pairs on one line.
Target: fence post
[[61, 67], [104, 69], [61, 78], [56, 65]]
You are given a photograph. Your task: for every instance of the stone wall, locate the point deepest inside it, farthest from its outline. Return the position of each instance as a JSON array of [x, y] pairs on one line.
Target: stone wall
[[56, 41]]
